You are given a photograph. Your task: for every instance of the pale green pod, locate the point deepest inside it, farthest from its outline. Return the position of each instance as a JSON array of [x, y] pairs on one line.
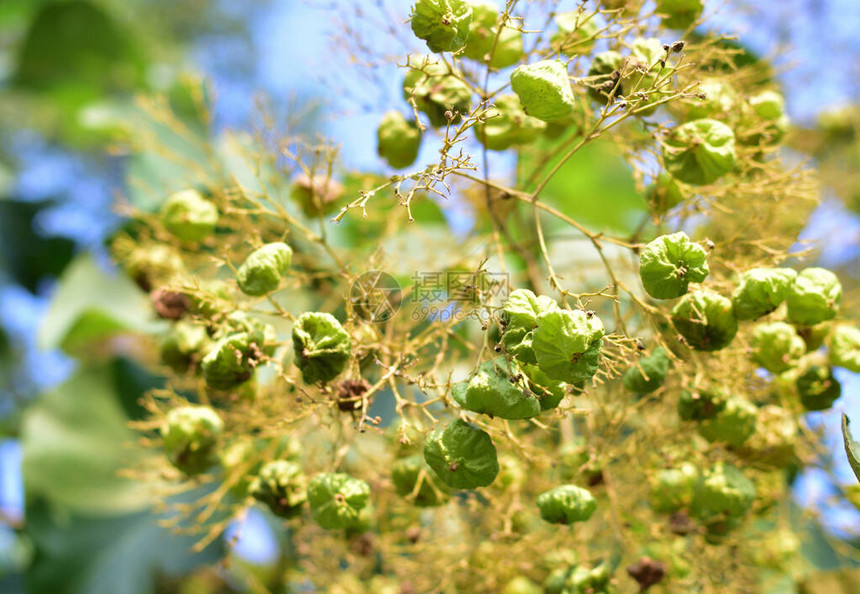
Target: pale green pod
[[544, 90], [700, 152]]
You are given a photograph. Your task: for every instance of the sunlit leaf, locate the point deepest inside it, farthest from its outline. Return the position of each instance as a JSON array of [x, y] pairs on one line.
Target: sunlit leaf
[[91, 304]]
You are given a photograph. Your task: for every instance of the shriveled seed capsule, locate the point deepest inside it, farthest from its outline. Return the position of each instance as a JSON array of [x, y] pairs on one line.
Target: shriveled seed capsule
[[337, 500], [544, 90], [484, 37], [506, 124], [189, 216], [567, 344], [190, 434], [282, 486], [264, 268], [398, 140], [649, 374], [844, 347], [406, 473], [777, 346], [673, 489], [733, 425], [491, 392], [322, 347], [566, 504], [705, 320], [668, 264], [760, 291], [462, 455], [814, 297], [443, 24], [700, 152], [723, 491]]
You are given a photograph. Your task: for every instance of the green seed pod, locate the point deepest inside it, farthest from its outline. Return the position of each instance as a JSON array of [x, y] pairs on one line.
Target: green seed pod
[[700, 152], [603, 68], [679, 14], [768, 105], [764, 119], [673, 489], [844, 347], [700, 405], [664, 194], [544, 90], [521, 585], [484, 37], [649, 374], [189, 216], [818, 388], [190, 434], [264, 268], [337, 500], [243, 457], [733, 425], [522, 308], [705, 320], [776, 346], [814, 297], [519, 343], [668, 264], [398, 140], [549, 392], [406, 473], [183, 345], [506, 124], [282, 486], [719, 100], [153, 265], [566, 504], [443, 24], [435, 90], [462, 455], [575, 35], [491, 392], [774, 438], [760, 291], [321, 346], [519, 315], [567, 344], [723, 491], [317, 196], [814, 336], [231, 361]]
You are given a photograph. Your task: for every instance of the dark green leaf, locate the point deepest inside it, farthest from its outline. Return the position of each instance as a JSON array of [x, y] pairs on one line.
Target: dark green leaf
[[852, 448], [25, 255]]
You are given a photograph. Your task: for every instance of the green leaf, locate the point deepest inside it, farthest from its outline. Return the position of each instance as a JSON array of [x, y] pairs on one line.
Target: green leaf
[[595, 187], [25, 255], [78, 45], [79, 554], [852, 448], [75, 440], [91, 304]]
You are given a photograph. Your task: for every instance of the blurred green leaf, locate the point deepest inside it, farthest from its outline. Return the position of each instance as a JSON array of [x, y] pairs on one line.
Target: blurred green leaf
[[90, 305], [595, 187], [25, 255], [852, 448], [77, 554], [75, 439], [77, 49]]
